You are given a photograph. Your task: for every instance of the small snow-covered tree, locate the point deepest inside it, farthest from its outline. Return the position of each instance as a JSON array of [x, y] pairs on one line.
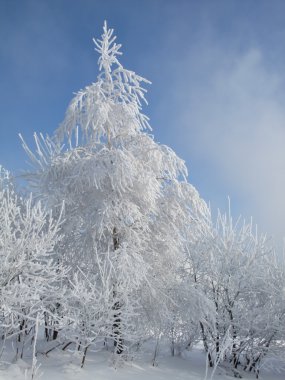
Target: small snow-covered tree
[[123, 194], [29, 276], [236, 268]]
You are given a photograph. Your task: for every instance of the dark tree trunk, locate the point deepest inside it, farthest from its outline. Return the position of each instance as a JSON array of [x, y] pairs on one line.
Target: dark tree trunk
[[46, 326], [84, 356], [54, 335], [205, 343], [118, 341]]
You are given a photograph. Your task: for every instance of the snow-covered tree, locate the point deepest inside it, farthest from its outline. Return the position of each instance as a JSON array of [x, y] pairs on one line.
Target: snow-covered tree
[[123, 193], [29, 275], [237, 270]]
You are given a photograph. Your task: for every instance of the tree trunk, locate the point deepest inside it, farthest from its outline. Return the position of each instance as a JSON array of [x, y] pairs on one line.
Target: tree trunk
[[84, 356], [205, 343], [118, 341]]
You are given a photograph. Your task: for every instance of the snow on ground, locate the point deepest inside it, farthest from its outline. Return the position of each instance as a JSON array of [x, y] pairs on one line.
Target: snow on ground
[[64, 365]]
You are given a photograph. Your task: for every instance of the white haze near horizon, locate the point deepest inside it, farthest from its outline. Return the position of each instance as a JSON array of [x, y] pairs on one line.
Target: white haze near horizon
[[234, 121]]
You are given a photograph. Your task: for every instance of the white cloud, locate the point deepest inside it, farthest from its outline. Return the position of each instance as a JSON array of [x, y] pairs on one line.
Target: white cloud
[[236, 121]]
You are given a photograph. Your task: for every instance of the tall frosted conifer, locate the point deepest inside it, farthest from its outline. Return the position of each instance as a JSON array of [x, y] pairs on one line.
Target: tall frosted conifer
[[124, 194]]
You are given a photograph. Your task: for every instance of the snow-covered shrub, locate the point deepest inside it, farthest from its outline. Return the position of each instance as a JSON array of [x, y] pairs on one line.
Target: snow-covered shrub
[[29, 275], [237, 270]]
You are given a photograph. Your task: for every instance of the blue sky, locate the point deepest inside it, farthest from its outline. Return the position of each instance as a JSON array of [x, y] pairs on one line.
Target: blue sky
[[217, 95]]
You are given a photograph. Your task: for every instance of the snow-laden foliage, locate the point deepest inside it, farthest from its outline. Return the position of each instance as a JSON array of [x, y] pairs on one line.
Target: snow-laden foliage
[[126, 198], [238, 271], [110, 108], [30, 278]]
